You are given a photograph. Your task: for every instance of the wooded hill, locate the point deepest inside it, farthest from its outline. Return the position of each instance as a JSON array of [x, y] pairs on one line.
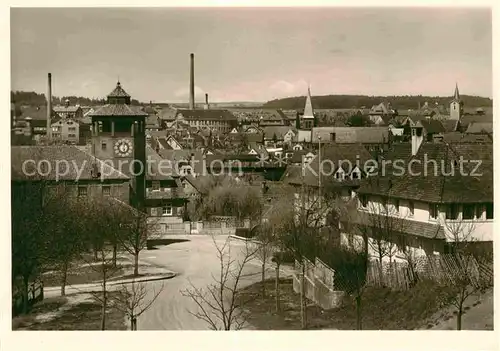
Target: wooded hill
[[358, 101], [34, 99]]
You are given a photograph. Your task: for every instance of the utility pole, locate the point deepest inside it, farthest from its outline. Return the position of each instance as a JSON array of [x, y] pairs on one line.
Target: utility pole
[[320, 170]]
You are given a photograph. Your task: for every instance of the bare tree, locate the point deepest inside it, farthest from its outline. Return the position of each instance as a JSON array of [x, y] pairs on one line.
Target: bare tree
[[466, 270], [102, 225], [265, 247], [64, 233], [217, 304], [132, 300], [136, 230]]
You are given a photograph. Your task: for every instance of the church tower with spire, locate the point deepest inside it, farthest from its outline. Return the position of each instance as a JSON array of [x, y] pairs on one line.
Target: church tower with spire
[[308, 118], [456, 105]]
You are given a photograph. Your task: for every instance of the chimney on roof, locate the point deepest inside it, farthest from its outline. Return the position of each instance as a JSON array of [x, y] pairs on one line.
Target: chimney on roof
[[49, 104], [207, 106], [191, 83]]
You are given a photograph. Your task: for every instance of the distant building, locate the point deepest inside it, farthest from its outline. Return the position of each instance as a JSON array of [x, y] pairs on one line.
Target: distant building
[[456, 106], [222, 121], [66, 130], [67, 111]]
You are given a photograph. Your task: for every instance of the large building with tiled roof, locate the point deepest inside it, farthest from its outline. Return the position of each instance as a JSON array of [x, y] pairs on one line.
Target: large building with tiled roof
[[438, 193], [222, 121], [78, 171]]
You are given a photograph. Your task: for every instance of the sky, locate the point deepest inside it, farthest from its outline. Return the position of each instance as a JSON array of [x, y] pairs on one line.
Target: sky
[[252, 54]]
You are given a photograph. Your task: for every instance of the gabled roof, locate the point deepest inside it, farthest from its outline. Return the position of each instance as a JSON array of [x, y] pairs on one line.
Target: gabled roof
[[423, 184], [333, 156], [457, 137], [351, 135], [479, 128], [78, 160], [213, 115], [432, 126], [38, 112], [66, 108], [450, 125], [416, 228], [279, 131]]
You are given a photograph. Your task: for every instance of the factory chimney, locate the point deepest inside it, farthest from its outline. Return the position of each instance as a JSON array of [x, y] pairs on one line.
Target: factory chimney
[[207, 106], [191, 84], [49, 105]]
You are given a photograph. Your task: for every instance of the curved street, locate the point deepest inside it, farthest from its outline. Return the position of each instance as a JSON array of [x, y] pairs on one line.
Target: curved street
[[194, 261]]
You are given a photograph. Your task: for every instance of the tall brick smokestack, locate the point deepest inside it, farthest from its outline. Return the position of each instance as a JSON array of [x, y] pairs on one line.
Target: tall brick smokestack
[[49, 105], [207, 106], [191, 84]]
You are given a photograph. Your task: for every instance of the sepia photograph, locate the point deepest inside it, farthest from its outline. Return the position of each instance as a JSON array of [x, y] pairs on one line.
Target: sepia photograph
[[251, 169]]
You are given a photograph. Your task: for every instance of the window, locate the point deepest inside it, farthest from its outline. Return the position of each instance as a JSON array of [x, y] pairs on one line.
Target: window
[[71, 135], [104, 145], [355, 175], [479, 211], [156, 185], [332, 136], [396, 205], [411, 208], [71, 129], [106, 190], [433, 211], [452, 211], [82, 191], [468, 211], [364, 200], [489, 211], [167, 210]]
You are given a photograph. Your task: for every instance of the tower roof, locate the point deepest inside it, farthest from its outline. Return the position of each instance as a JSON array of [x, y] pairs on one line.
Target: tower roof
[[308, 109], [456, 95], [118, 91]]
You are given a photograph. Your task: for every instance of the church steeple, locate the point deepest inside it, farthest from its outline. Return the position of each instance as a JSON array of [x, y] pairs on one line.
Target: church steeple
[[308, 109], [456, 105], [456, 96]]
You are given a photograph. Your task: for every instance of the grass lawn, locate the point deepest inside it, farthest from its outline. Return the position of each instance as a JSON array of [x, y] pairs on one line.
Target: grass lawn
[[381, 308], [85, 315]]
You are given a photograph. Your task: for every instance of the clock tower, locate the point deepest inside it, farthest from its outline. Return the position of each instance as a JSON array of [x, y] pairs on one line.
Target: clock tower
[[118, 138]]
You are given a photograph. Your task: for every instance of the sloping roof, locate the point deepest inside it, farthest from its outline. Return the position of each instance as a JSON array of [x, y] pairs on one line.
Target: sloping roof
[[78, 161], [450, 125], [465, 120], [379, 109], [184, 155], [438, 184], [457, 137], [38, 113], [432, 126], [279, 131], [152, 121], [66, 108], [333, 156], [421, 229], [479, 128], [119, 110], [215, 115], [158, 167], [348, 135], [167, 113], [118, 91]]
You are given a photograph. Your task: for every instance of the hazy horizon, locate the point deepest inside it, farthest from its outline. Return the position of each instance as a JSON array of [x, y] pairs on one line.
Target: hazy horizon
[[252, 54]]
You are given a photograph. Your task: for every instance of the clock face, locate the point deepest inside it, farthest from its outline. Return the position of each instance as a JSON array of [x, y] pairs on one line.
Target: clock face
[[123, 148]]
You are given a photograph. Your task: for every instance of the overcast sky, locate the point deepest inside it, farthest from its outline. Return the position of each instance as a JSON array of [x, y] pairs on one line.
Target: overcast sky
[[252, 54]]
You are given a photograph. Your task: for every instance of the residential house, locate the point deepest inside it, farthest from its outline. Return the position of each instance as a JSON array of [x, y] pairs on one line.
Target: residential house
[[165, 197], [37, 118], [81, 174], [68, 111], [66, 130], [371, 137], [381, 114], [272, 118], [279, 135], [432, 207]]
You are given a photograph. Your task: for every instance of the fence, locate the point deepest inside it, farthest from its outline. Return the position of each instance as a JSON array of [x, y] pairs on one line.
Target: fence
[[186, 228], [439, 268], [35, 294], [318, 284]]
